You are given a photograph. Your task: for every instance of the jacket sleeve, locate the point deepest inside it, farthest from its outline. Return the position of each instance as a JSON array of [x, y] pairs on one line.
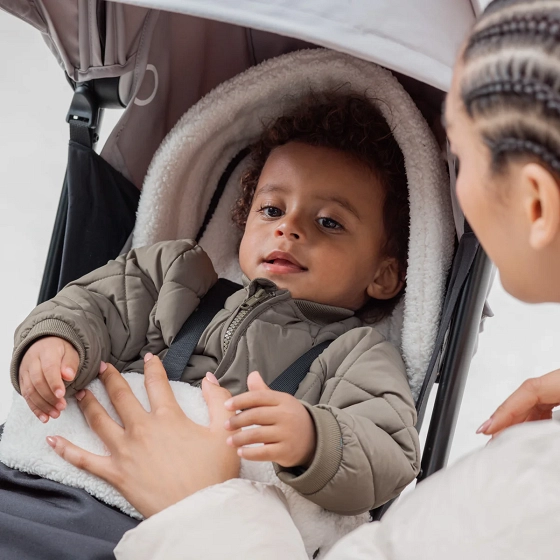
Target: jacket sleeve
[[110, 313], [367, 447], [236, 519]]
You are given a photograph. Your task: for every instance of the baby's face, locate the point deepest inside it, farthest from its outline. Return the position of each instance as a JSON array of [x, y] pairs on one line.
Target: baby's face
[[316, 228]]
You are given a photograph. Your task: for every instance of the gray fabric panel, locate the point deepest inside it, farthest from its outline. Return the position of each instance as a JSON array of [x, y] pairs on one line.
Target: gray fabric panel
[[26, 11]]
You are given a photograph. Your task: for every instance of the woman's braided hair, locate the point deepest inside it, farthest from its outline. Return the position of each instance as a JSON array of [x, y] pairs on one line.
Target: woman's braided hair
[[351, 123], [511, 81]]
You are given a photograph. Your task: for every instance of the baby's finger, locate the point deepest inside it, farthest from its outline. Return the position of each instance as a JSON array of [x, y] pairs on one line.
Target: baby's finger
[[70, 363], [252, 399], [84, 460], [262, 415], [42, 416], [36, 402], [254, 435], [46, 378], [270, 452]]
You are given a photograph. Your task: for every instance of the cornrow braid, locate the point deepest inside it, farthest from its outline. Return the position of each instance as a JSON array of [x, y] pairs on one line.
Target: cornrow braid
[[511, 80], [544, 25], [528, 87]]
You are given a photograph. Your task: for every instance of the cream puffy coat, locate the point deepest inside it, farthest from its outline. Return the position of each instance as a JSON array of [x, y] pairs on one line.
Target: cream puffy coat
[[499, 503]]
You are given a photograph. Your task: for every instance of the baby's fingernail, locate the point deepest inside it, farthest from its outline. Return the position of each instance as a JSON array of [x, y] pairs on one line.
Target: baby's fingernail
[[484, 426], [148, 356], [44, 418], [228, 404], [69, 372], [227, 425], [229, 441], [60, 405], [59, 393], [80, 395], [212, 378], [102, 367], [240, 452], [51, 441]]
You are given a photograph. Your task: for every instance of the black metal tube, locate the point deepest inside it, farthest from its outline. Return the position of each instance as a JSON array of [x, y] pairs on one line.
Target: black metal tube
[[462, 339]]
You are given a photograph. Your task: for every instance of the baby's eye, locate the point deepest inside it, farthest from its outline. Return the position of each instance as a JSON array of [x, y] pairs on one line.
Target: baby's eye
[[329, 223], [271, 211]]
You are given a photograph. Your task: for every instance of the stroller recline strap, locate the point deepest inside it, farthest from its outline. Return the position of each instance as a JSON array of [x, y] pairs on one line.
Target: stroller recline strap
[[182, 347]]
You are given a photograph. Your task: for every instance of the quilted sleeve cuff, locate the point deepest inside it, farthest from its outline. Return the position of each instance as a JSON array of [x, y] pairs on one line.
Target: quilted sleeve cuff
[[327, 458], [47, 327]]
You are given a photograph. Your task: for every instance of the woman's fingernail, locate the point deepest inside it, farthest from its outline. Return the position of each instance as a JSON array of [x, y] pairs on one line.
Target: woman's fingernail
[[102, 367], [148, 356], [59, 393], [212, 378], [51, 441], [228, 403], [484, 426], [44, 418], [80, 395]]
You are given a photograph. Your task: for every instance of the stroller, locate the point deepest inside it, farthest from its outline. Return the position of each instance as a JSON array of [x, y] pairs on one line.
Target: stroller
[[136, 56]]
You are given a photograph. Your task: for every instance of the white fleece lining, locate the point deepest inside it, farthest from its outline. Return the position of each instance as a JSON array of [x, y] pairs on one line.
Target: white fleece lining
[[177, 191], [190, 161], [31, 453]]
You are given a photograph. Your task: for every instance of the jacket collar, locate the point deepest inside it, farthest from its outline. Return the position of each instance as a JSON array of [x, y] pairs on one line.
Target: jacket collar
[[315, 312]]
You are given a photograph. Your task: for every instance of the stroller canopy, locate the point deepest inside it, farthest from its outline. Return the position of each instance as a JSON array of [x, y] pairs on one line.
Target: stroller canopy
[[94, 38]]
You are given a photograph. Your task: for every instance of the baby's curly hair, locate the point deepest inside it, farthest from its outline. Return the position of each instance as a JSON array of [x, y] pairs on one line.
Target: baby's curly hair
[[351, 123]]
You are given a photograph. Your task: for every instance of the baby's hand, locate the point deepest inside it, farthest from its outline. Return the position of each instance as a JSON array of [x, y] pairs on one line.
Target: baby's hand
[[45, 365], [285, 427]]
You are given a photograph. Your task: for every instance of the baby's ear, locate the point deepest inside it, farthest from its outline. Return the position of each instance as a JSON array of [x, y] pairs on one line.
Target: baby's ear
[[387, 282]]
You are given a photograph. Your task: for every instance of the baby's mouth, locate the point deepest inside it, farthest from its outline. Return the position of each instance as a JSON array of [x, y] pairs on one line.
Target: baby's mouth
[[282, 264]]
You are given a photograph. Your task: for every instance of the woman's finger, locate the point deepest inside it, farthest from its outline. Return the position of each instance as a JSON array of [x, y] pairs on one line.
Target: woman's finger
[[262, 415], [126, 404], [99, 421], [215, 397], [537, 394], [156, 383], [254, 435], [252, 399], [94, 464]]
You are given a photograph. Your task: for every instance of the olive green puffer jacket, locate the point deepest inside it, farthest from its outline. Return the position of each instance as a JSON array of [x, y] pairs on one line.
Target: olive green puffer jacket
[[356, 391]]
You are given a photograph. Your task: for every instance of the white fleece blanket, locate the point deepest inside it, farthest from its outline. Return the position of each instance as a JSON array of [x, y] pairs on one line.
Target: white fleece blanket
[[190, 161], [23, 446]]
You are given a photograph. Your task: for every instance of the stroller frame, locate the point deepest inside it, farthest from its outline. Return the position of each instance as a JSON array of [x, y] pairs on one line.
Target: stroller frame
[[461, 316]]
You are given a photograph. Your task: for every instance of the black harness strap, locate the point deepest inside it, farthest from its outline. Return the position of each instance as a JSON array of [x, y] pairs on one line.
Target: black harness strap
[[288, 381], [183, 345]]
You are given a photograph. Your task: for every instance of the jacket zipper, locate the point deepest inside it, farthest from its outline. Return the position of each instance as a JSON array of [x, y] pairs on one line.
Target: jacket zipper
[[245, 308]]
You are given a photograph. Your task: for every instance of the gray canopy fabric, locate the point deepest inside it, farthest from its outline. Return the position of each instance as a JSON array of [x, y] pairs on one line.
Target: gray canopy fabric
[[169, 53]]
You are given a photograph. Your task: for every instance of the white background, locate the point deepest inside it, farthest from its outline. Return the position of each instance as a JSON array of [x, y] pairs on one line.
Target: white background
[[34, 97]]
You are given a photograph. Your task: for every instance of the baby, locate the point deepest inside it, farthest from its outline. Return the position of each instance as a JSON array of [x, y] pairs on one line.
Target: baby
[[324, 213]]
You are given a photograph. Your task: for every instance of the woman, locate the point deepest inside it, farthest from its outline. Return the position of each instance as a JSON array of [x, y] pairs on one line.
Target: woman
[[503, 120]]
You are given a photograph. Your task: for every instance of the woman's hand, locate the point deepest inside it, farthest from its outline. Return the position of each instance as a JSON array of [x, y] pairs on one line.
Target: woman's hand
[[534, 400], [159, 457], [284, 426]]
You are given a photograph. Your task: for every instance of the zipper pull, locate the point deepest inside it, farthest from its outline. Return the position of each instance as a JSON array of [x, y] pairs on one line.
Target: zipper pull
[[258, 296]]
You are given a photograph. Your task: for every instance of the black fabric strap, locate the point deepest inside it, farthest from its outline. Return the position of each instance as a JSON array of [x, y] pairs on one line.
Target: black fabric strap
[[80, 132], [288, 381], [462, 263], [182, 347]]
